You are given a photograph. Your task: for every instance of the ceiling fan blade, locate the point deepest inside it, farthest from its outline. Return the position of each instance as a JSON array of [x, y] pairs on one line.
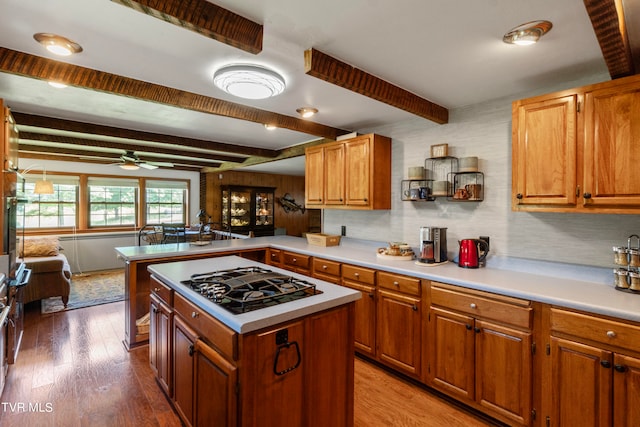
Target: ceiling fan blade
[[161, 164], [147, 165]]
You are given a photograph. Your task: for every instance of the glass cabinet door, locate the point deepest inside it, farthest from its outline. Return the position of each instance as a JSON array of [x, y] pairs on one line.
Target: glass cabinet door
[[236, 208], [264, 208]]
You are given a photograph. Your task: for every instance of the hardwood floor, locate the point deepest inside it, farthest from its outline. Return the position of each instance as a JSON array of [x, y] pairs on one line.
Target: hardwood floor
[[73, 370]]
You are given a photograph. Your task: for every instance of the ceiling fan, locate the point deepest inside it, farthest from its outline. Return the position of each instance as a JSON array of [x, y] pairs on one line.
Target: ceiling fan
[[131, 161]]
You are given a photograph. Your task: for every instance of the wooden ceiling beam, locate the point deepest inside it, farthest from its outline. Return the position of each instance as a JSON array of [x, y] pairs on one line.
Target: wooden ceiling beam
[[147, 150], [327, 68], [607, 19], [204, 18], [42, 122], [28, 65]]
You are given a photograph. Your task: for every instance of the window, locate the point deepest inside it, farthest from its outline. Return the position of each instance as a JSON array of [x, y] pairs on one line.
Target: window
[[98, 203], [112, 202], [57, 210], [166, 202]]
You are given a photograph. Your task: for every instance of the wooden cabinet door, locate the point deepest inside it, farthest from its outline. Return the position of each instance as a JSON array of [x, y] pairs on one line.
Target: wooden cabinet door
[[544, 152], [398, 331], [365, 318], [160, 343], [314, 176], [215, 388], [612, 148], [504, 370], [581, 384], [358, 171], [626, 391], [452, 359], [334, 174], [184, 339]]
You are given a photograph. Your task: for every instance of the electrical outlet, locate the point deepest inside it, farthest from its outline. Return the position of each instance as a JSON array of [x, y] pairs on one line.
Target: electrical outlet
[[486, 239], [343, 231]]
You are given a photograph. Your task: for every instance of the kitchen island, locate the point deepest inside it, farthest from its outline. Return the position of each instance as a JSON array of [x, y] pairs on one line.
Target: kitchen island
[[288, 363]]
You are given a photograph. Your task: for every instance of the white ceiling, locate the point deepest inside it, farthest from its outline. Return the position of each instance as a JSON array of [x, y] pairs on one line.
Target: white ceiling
[[449, 52]]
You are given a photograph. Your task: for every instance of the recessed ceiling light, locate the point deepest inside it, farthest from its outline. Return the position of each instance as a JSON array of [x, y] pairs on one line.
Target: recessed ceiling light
[[527, 34], [307, 112], [57, 85], [249, 81], [57, 44]]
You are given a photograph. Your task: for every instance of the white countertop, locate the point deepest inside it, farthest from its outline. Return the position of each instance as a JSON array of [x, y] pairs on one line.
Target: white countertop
[[572, 286], [173, 272]]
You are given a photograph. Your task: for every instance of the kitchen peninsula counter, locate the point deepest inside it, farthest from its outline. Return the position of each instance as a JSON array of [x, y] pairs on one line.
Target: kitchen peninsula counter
[[578, 287]]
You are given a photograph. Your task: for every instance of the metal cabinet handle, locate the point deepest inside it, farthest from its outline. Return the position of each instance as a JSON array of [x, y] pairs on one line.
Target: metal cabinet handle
[[519, 196], [605, 363], [473, 305], [620, 368], [371, 295], [194, 314], [611, 334], [292, 367], [324, 267], [396, 284], [415, 307], [356, 274], [156, 290], [587, 195], [469, 327]]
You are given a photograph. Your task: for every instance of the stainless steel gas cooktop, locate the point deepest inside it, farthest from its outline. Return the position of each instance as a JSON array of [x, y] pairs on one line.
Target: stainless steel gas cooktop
[[245, 289]]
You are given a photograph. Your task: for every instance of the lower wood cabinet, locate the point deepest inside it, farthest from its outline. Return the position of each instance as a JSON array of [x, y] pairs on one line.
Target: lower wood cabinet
[[160, 324], [594, 371], [399, 323], [480, 351], [204, 380], [363, 280]]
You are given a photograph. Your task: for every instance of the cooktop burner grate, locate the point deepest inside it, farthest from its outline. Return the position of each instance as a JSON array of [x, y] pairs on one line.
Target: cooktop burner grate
[[245, 289]]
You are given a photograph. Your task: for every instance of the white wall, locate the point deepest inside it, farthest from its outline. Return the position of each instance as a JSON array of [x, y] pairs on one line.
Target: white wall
[[92, 252], [483, 130]]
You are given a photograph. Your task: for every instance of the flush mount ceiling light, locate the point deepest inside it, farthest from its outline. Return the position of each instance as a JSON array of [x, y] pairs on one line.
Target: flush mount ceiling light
[[527, 34], [267, 126], [307, 112], [57, 44], [249, 81]]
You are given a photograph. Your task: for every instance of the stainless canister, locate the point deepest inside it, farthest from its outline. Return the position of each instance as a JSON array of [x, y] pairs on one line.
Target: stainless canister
[[634, 280], [634, 257], [620, 255], [621, 278]]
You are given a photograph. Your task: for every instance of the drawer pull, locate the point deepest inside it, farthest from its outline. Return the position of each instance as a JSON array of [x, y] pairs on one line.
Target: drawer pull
[[468, 326], [620, 368], [324, 267], [605, 363], [473, 305], [356, 274], [194, 314], [156, 290], [396, 284], [611, 334], [295, 260]]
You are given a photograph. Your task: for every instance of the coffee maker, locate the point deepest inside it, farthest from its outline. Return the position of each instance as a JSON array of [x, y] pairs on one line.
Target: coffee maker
[[433, 245]]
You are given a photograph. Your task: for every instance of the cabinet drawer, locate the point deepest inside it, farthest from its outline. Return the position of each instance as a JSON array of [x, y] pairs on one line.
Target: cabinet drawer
[[359, 274], [512, 311], [274, 257], [326, 270], [221, 337], [597, 329], [297, 260], [164, 292], [396, 282]]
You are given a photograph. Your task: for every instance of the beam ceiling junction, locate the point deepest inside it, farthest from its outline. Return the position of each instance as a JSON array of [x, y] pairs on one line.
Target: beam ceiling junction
[[204, 18], [332, 70]]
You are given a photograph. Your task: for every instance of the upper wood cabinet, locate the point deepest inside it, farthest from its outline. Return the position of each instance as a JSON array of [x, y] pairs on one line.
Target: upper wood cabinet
[[577, 150], [350, 174]]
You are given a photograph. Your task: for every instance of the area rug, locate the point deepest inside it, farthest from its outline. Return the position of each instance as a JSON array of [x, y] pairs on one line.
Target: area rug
[[89, 289]]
